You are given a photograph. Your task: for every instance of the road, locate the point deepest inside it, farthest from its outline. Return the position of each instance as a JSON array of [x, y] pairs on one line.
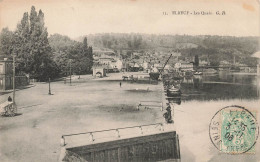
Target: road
[[87, 105]]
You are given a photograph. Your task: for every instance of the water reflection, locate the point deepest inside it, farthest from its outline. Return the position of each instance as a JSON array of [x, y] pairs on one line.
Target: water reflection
[[221, 86], [176, 100], [257, 83], [195, 112]]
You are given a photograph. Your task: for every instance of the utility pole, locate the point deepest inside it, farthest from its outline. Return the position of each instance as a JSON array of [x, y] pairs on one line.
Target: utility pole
[[70, 71], [49, 86], [14, 79]]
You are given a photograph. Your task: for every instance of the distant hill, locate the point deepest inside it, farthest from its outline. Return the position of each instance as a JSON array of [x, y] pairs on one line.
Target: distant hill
[[135, 41], [217, 48]]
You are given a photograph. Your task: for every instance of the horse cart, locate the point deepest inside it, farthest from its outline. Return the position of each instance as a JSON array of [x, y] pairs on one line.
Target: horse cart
[[8, 109]]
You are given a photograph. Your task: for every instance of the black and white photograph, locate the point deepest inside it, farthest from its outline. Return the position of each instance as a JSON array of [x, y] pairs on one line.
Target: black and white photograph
[[129, 80]]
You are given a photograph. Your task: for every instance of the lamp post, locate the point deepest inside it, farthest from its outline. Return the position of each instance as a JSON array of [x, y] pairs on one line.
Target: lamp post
[[14, 79], [49, 86], [70, 71]]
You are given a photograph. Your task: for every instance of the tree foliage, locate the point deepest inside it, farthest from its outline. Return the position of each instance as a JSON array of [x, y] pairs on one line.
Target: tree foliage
[[30, 43], [67, 51], [6, 40]]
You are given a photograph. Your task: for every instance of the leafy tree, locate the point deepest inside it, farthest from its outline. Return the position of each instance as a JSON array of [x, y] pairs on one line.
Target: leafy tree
[[66, 50], [6, 40], [196, 61], [84, 58], [32, 46], [63, 49]]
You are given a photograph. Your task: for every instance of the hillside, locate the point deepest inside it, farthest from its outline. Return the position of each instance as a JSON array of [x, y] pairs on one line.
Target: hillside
[[217, 48]]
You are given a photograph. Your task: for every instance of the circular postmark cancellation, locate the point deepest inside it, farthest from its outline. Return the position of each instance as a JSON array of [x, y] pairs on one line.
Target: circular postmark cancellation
[[234, 130]]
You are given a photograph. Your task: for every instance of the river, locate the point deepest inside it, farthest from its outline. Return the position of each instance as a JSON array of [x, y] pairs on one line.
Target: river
[[202, 97]]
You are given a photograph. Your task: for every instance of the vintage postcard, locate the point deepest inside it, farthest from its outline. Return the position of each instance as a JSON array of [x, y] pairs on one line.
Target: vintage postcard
[[129, 80]]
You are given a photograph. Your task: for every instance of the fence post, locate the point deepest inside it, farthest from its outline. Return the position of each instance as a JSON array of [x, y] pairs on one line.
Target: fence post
[[141, 129], [62, 141], [117, 133], [162, 128], [91, 137]]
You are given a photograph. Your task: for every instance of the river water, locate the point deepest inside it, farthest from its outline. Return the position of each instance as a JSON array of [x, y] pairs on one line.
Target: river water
[[202, 97]]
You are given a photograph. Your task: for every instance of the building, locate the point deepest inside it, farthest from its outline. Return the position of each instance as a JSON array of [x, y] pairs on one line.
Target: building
[[105, 60], [224, 65], [184, 66], [167, 67], [145, 65], [203, 63], [6, 76], [134, 67], [116, 64], [99, 70]]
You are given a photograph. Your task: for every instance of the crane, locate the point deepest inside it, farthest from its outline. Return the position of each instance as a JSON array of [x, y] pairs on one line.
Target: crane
[[165, 64]]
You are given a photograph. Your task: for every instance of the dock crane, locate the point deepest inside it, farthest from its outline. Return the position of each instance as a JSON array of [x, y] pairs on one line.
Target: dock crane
[[165, 64], [156, 75]]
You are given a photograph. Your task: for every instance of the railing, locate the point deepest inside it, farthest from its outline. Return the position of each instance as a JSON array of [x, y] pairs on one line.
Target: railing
[[149, 104], [63, 142]]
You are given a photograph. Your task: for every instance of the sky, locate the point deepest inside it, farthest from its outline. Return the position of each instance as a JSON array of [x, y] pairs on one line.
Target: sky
[[76, 18]]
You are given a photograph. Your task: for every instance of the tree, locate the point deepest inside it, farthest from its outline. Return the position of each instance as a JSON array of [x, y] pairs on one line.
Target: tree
[[85, 45], [63, 49], [32, 47], [196, 61], [82, 57], [85, 58], [21, 45], [6, 39]]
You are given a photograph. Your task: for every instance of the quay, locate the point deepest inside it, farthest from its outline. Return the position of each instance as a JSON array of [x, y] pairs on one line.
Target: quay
[[154, 142]]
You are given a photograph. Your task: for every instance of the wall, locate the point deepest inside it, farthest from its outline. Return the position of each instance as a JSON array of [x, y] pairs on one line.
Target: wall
[[156, 147], [7, 82]]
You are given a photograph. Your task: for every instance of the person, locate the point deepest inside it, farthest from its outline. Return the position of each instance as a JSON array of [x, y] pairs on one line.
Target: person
[[6, 104], [120, 84], [167, 115], [10, 99]]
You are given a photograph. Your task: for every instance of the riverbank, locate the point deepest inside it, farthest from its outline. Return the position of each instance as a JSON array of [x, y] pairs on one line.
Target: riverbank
[[96, 104], [85, 105]]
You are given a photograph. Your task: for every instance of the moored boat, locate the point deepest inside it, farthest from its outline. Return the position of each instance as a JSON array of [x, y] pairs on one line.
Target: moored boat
[[154, 75], [173, 92], [198, 73], [210, 71]]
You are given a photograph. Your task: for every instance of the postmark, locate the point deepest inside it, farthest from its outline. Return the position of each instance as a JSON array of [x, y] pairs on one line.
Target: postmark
[[234, 130]]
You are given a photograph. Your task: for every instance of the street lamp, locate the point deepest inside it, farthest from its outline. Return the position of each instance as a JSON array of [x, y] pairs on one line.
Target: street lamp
[[70, 71], [49, 86], [14, 79]]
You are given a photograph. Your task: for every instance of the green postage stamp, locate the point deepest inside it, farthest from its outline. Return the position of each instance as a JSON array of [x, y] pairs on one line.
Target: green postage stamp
[[234, 130]]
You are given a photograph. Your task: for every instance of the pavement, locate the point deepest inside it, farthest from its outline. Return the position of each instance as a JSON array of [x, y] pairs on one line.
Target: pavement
[[86, 105], [2, 92]]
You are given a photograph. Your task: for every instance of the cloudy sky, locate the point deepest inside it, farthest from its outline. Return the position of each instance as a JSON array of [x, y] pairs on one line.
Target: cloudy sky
[[81, 17]]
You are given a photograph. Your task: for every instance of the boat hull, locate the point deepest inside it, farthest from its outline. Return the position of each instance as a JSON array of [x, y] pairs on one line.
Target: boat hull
[[173, 93], [154, 76]]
